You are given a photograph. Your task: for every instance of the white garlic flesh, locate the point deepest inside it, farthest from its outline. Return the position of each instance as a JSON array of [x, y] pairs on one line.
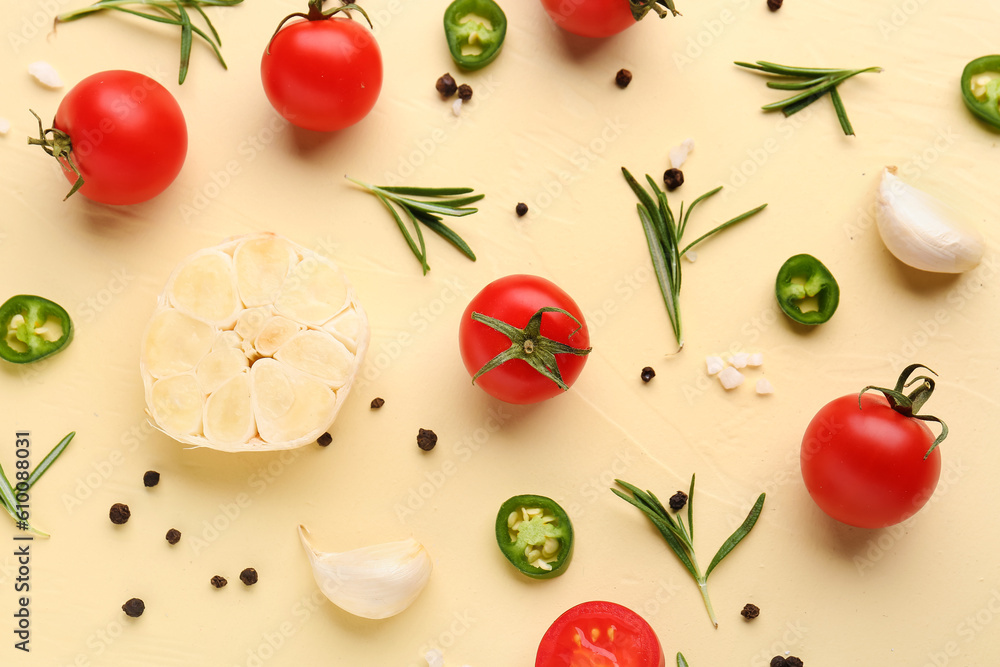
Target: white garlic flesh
[[253, 346], [374, 582], [922, 231]]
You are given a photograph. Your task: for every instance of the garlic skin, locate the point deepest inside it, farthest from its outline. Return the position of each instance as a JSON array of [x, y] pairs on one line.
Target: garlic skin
[[374, 582], [922, 231]]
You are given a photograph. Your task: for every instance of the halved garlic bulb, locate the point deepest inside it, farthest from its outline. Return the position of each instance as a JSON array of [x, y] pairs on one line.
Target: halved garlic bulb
[[923, 231], [254, 345], [372, 582]]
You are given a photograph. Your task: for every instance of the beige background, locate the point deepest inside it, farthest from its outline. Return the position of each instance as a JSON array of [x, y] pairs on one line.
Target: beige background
[[548, 127]]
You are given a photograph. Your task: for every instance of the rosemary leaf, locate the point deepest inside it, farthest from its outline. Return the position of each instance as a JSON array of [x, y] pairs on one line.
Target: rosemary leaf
[[437, 202], [737, 536], [49, 459], [838, 106], [681, 662]]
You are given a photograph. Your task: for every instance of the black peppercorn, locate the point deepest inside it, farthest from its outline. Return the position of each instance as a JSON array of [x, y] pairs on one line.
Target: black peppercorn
[[678, 500], [647, 374], [521, 209], [446, 86], [119, 513], [774, 5], [173, 536], [426, 439], [750, 611], [151, 478], [623, 78], [249, 576], [673, 179], [778, 661], [465, 92], [792, 661], [218, 581], [134, 607], [377, 403], [324, 440]]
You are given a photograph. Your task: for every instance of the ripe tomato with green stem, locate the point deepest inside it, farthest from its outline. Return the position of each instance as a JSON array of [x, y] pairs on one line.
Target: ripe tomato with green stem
[[870, 461], [599, 633], [323, 73], [119, 136], [603, 18], [523, 339]]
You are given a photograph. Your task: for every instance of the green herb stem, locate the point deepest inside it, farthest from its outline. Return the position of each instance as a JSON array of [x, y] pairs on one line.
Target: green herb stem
[[681, 539], [429, 210], [812, 83], [663, 236], [172, 12], [7, 497]]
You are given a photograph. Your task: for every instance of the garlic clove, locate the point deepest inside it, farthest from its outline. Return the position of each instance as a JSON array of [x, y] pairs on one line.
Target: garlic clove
[[922, 231], [374, 582]]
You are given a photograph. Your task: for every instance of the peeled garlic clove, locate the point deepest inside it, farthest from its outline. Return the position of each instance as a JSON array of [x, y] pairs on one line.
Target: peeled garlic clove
[[375, 582], [254, 346], [922, 231]]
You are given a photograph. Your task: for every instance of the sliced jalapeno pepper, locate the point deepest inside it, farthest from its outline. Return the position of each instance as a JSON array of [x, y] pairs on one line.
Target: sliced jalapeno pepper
[[534, 533], [475, 30], [32, 328], [981, 88], [805, 277]]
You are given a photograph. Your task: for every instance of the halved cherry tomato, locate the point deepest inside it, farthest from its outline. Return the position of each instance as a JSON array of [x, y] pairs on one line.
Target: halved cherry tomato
[[600, 634]]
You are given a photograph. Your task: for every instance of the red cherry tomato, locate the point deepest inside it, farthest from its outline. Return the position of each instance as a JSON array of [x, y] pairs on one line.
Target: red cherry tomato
[[865, 466], [599, 634], [590, 18], [514, 300], [324, 74], [127, 133]]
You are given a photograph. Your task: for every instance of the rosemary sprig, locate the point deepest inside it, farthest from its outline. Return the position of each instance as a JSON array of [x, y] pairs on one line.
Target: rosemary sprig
[[812, 83], [8, 498], [435, 203], [680, 538], [173, 12], [681, 662], [663, 235]]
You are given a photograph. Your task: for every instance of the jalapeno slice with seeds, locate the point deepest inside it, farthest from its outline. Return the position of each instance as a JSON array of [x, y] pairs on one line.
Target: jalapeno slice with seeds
[[475, 30], [801, 278], [32, 328], [535, 535], [981, 88]]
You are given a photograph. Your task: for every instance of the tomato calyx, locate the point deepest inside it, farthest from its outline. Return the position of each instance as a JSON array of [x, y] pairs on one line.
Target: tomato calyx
[[909, 404], [662, 7], [317, 13], [60, 147], [530, 346]]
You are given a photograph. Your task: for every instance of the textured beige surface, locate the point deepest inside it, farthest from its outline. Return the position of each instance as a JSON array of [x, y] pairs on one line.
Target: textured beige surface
[[546, 126]]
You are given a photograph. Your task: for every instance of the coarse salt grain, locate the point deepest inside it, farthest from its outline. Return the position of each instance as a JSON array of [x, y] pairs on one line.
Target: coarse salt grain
[[456, 107], [739, 360], [4, 126], [434, 658], [45, 74], [730, 378], [756, 359], [678, 154], [714, 365], [691, 256], [764, 387]]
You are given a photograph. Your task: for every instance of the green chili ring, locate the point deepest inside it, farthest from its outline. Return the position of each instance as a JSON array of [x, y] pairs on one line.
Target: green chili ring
[[987, 109], [474, 33], [814, 281], [32, 328], [535, 534]]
